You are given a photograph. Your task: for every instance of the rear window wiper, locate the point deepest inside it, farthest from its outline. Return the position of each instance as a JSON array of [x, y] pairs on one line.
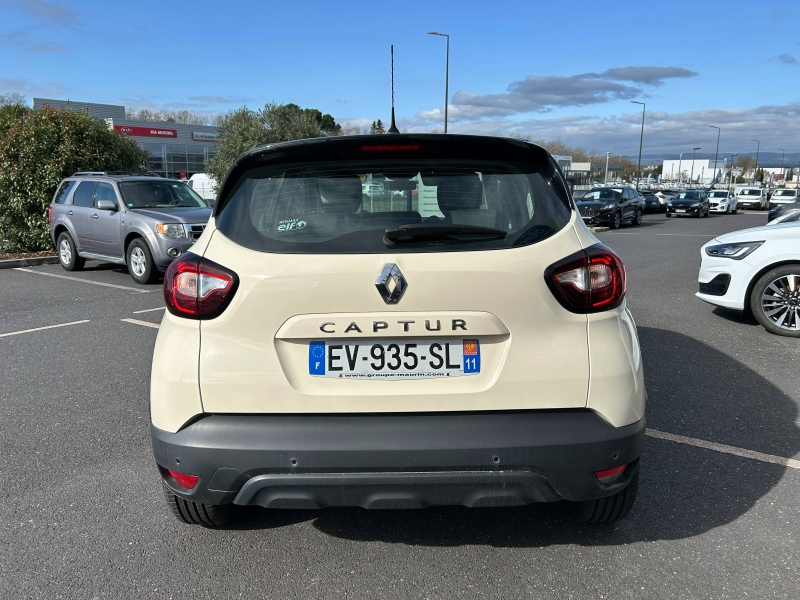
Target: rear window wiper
[[423, 232]]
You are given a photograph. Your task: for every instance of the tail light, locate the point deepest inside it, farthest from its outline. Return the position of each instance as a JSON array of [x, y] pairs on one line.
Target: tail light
[[591, 280], [610, 475], [49, 214], [197, 288], [182, 479]]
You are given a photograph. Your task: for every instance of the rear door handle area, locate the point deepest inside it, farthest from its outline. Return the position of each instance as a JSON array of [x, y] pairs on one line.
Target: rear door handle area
[[94, 216]]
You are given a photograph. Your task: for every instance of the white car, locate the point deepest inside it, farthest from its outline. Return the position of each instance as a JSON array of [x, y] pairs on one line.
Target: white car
[[758, 270], [784, 196], [464, 340], [790, 216], [752, 197], [723, 201]]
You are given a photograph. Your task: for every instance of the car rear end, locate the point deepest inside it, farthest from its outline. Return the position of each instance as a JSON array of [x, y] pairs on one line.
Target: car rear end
[[411, 321]]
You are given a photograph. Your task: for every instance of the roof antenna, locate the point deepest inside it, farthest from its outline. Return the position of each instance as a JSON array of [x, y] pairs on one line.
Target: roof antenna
[[393, 127]]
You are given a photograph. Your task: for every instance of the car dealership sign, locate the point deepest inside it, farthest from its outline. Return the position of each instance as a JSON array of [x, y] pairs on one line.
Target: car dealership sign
[[146, 131], [202, 136]]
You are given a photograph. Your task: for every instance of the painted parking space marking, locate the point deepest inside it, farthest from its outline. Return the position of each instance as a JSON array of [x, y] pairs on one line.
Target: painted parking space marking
[[138, 322], [79, 280], [744, 453], [138, 312], [43, 328]]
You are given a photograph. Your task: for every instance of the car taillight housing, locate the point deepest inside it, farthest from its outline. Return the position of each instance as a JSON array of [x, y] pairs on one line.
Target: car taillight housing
[[591, 280], [197, 288], [49, 214]]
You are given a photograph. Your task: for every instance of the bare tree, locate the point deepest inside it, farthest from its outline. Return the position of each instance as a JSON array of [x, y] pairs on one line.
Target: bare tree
[[11, 99], [171, 116], [746, 164]]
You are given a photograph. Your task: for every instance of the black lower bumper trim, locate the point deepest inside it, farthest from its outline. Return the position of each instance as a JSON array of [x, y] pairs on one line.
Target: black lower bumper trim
[[399, 460]]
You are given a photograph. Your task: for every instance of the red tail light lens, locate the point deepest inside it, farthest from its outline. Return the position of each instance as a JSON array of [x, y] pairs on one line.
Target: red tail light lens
[[197, 288], [184, 480], [610, 475], [592, 280], [49, 214]]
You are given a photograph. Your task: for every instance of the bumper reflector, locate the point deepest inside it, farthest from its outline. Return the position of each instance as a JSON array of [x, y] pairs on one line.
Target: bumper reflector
[[183, 480], [607, 476]]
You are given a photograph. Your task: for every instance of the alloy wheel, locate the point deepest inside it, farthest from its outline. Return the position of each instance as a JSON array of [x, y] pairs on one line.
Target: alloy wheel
[[138, 261], [65, 252], [780, 302]]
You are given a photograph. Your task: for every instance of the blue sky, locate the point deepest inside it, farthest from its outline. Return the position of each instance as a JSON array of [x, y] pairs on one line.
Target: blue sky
[[550, 70]]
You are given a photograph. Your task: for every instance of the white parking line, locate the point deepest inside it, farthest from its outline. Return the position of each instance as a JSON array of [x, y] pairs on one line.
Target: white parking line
[[79, 280], [767, 458], [138, 322], [42, 328], [138, 312]]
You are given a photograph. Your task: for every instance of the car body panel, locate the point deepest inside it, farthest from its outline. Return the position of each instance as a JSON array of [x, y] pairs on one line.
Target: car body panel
[[542, 363]]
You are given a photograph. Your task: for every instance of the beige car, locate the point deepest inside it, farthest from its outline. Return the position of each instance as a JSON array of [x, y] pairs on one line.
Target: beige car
[[397, 321]]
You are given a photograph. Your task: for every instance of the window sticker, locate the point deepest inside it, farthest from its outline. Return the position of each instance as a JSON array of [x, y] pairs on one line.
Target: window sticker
[[291, 225]]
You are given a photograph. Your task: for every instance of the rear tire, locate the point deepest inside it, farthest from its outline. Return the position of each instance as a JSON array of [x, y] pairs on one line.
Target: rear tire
[[606, 510], [68, 254], [193, 513], [616, 221], [637, 218]]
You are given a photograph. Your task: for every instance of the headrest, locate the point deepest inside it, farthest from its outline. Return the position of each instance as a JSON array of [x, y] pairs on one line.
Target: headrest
[[459, 192], [343, 193]]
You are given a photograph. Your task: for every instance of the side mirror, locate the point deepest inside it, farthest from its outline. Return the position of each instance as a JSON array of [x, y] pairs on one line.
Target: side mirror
[[106, 205]]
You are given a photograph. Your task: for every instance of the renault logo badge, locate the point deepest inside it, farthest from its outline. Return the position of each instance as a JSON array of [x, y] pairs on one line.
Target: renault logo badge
[[391, 284]]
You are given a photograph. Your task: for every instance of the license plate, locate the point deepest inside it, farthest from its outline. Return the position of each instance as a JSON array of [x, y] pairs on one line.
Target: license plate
[[407, 359]]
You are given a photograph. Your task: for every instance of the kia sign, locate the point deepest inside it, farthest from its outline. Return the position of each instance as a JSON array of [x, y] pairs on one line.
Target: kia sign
[[202, 136], [146, 131]]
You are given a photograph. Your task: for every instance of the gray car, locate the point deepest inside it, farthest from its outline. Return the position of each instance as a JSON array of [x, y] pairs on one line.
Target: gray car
[[139, 221]]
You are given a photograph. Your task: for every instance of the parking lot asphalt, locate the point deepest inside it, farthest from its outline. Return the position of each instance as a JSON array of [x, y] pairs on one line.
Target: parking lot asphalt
[[82, 514]]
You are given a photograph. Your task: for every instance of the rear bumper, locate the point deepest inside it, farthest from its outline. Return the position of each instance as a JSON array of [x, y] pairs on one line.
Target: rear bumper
[[400, 460]]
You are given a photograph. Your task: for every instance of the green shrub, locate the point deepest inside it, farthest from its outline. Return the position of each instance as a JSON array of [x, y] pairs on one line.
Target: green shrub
[[37, 150]]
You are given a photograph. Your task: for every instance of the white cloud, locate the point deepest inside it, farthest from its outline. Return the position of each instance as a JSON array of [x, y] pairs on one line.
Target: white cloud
[[48, 89]]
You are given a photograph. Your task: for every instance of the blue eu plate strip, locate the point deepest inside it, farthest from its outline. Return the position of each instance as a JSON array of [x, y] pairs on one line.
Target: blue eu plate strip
[[316, 358]]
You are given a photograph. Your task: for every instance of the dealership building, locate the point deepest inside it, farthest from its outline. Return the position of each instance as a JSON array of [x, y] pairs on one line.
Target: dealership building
[[176, 150]]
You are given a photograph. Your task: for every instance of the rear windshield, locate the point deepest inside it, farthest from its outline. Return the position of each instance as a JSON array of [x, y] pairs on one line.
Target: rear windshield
[[349, 206], [159, 194], [790, 193]]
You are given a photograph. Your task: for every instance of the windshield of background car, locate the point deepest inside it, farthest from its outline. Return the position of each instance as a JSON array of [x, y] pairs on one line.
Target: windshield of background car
[[159, 194], [602, 194], [750, 193], [718, 195], [688, 196], [346, 206], [790, 193]]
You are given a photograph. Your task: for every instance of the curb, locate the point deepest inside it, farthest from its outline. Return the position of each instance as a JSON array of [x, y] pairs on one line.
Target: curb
[[28, 262]]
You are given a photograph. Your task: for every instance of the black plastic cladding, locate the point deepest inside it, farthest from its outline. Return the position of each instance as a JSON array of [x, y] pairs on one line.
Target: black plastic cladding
[[431, 146]]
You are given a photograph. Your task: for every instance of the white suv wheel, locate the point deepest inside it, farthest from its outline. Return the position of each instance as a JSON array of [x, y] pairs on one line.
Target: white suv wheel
[[65, 252], [138, 262]]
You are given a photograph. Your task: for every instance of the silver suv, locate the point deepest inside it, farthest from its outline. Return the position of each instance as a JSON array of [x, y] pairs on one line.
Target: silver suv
[[140, 221]]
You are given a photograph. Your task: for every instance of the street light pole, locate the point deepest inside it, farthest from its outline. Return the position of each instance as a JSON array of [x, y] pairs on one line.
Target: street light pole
[[607, 155], [680, 173], [446, 75], [694, 152], [641, 139], [730, 183], [714, 175], [783, 153], [758, 148]]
